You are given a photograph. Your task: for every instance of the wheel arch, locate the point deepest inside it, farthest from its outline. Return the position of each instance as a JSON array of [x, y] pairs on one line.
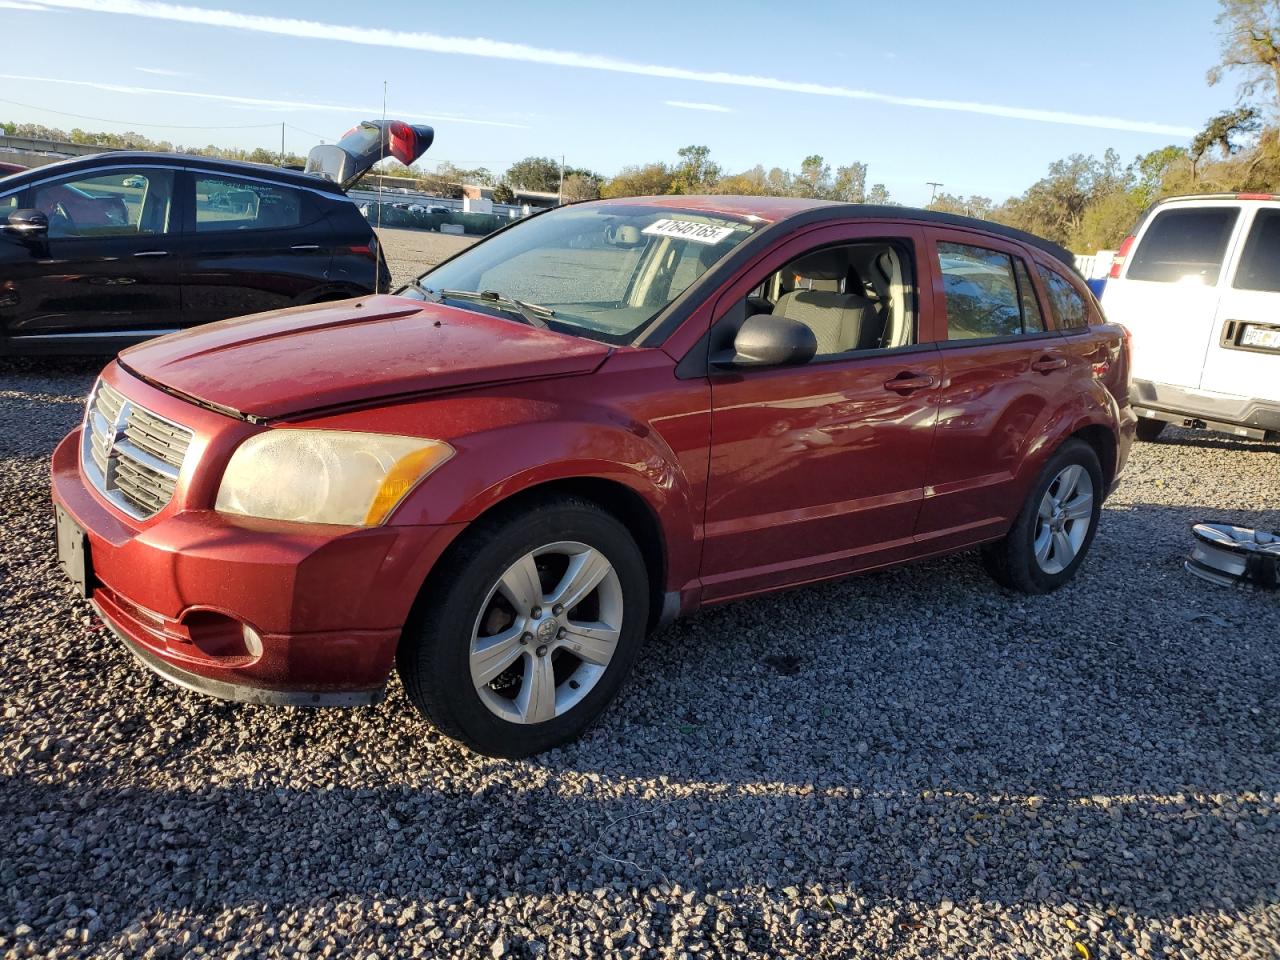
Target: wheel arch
[[615, 498], [1103, 442]]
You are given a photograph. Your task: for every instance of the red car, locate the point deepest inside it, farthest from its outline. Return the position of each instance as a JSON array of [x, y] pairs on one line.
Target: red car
[[596, 420]]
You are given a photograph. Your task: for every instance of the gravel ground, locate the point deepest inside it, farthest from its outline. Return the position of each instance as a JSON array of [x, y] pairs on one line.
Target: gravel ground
[[909, 764]]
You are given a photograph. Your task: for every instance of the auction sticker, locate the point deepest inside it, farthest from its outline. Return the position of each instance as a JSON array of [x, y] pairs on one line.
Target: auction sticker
[[687, 230]]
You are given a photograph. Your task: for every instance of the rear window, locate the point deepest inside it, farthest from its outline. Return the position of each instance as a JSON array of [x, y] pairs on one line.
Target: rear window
[[1184, 244], [1260, 263], [1065, 303]]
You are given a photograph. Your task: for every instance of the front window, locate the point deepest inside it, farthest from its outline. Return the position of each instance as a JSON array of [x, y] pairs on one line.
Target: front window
[[599, 271], [122, 203]]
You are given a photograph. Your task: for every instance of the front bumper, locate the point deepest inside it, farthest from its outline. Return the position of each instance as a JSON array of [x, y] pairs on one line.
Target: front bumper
[[252, 610]]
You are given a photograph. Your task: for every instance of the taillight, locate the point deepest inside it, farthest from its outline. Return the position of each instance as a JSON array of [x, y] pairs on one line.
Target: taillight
[[1117, 259], [1255, 196]]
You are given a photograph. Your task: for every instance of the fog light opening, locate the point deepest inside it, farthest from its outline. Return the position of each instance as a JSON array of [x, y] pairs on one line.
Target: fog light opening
[[221, 636]]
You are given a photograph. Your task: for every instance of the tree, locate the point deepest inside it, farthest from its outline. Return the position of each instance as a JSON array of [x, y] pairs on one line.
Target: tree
[[850, 183], [878, 195], [972, 206], [535, 173], [695, 173], [502, 193], [1251, 45], [652, 179], [814, 178], [1222, 130], [578, 186]]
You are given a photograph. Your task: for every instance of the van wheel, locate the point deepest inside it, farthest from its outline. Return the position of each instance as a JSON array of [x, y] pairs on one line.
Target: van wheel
[[528, 632], [1149, 430], [1055, 527]]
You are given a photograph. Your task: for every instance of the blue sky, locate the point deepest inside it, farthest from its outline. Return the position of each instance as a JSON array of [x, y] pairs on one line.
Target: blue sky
[[1007, 87]]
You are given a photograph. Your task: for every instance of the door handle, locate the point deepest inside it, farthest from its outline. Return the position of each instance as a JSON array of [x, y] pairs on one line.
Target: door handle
[[1049, 364], [303, 247], [905, 383], [152, 253]]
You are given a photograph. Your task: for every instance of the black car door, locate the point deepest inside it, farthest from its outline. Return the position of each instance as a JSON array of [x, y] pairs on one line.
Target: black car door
[[252, 245], [108, 265]]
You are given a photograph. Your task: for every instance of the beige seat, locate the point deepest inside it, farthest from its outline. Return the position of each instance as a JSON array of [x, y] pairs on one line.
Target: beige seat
[[839, 321]]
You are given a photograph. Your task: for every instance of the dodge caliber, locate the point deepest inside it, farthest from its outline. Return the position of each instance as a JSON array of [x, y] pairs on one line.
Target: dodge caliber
[[500, 480]]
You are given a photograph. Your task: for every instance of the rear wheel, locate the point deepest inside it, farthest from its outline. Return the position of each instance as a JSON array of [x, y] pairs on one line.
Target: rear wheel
[[1054, 529], [1149, 430], [529, 632]]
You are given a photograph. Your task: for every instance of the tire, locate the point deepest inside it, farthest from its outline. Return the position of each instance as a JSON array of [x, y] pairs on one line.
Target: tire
[[468, 621], [1149, 430], [1015, 562]]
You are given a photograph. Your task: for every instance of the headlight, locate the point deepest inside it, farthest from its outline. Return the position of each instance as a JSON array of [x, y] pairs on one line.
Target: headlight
[[326, 476]]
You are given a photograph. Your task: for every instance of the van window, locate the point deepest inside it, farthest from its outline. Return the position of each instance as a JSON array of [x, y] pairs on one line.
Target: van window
[[1260, 263], [1069, 309], [1184, 244], [983, 298]]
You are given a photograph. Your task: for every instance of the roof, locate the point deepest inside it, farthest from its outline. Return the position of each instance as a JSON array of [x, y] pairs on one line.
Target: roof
[[145, 157], [802, 210]]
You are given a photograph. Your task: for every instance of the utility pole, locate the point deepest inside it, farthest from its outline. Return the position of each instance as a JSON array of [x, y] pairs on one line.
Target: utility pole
[[282, 144], [934, 191], [560, 192]]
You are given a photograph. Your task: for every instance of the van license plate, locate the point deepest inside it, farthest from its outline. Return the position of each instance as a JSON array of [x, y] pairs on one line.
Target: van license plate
[[1266, 337]]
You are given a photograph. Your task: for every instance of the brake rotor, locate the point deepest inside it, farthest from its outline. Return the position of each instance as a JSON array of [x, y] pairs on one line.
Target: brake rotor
[[1235, 556]]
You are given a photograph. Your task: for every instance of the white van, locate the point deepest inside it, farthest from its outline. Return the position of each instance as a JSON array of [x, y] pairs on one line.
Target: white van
[[1198, 287]]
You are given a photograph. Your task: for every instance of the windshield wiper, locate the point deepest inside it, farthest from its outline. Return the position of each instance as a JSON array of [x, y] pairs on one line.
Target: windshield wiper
[[427, 292], [535, 314]]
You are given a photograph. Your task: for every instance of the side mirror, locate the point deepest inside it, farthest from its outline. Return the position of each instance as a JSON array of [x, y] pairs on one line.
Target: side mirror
[[765, 340], [28, 224]]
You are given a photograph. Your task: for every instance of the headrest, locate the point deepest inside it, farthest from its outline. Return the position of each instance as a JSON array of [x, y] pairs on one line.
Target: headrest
[[823, 265]]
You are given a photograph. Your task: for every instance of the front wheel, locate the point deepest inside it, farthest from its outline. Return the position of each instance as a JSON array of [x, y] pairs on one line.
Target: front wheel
[[1054, 529], [530, 629]]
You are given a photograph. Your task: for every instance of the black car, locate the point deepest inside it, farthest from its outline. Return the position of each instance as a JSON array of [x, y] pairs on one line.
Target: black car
[[100, 252]]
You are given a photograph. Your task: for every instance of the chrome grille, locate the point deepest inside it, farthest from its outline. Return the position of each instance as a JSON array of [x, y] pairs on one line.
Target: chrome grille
[[131, 454]]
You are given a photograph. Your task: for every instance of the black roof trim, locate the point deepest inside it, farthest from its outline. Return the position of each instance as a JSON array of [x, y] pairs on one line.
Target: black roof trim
[[113, 157]]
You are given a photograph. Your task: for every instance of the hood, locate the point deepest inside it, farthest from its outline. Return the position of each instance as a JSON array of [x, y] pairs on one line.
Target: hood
[[309, 358]]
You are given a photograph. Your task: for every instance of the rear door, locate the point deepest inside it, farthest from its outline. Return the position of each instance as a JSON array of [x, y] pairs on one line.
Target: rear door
[[253, 245], [1168, 294], [1003, 368], [109, 265], [1244, 354]]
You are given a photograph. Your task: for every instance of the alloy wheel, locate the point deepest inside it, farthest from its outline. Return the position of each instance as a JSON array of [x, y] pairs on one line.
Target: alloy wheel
[[546, 633], [1063, 519]]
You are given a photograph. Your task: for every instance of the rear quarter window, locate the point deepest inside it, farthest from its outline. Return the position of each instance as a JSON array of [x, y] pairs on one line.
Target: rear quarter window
[[1260, 263], [1070, 312], [1184, 244]]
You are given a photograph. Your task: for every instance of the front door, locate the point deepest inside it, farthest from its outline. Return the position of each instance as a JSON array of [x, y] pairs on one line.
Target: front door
[[1244, 351], [817, 470], [109, 265]]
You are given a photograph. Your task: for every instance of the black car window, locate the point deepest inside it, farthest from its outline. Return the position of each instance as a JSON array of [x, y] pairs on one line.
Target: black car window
[[982, 294], [223, 203], [122, 203], [1184, 244], [9, 203], [1260, 264], [1068, 307]]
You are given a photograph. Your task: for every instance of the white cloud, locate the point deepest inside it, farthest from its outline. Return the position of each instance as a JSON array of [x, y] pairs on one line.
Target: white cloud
[[689, 105], [261, 102], [22, 5], [503, 50], [161, 72]]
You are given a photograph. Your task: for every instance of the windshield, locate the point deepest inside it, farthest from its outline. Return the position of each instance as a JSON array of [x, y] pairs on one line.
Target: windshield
[[599, 271]]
